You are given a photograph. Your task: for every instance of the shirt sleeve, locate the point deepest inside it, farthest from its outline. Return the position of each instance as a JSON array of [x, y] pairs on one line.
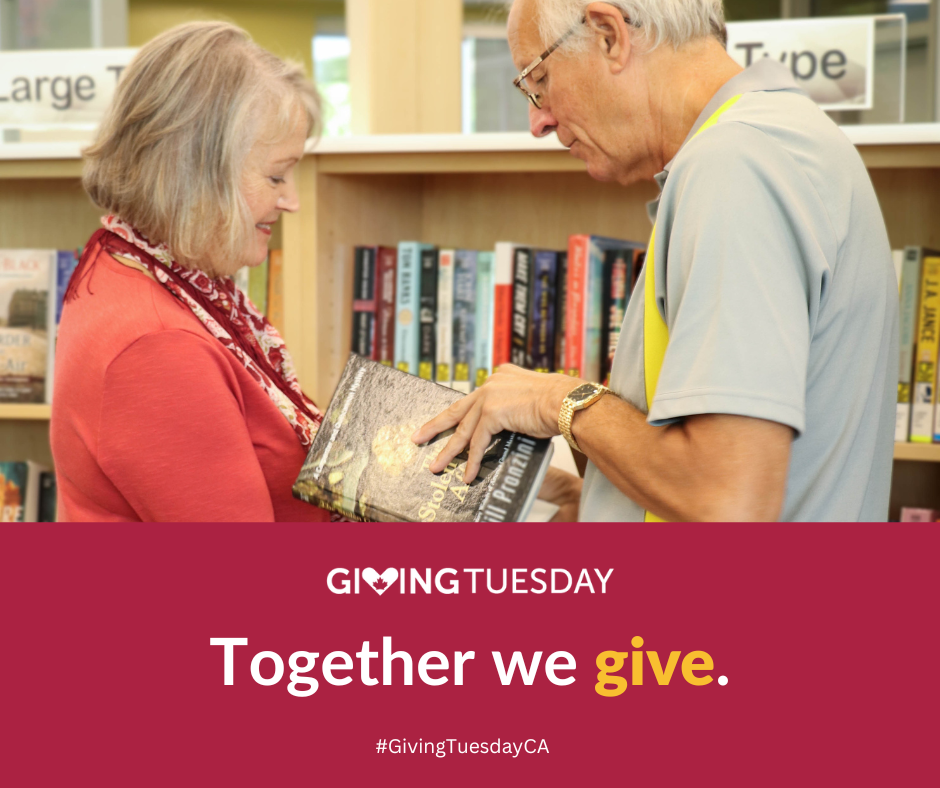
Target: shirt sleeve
[[739, 280], [173, 437]]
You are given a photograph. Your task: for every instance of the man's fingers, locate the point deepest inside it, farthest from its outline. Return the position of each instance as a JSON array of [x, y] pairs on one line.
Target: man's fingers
[[443, 421], [458, 441], [478, 443]]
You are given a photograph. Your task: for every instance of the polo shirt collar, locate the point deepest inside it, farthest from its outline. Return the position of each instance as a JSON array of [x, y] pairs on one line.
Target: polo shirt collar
[[764, 75]]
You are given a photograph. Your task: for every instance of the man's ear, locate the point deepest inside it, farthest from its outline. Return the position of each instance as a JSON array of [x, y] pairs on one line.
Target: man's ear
[[611, 34]]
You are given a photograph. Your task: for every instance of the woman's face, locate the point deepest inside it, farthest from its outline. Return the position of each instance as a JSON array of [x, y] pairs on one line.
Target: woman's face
[[268, 184]]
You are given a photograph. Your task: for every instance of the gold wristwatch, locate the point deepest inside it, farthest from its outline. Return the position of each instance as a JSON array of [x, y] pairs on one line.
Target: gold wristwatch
[[578, 398]]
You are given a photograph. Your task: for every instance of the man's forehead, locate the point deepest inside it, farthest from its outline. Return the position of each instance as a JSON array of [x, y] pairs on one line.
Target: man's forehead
[[522, 30]]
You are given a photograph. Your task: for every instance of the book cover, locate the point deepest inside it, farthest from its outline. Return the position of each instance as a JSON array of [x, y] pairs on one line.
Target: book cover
[[407, 306], [502, 303], [363, 323], [561, 298], [19, 491], [909, 297], [66, 262], [363, 464], [925, 358], [427, 328], [258, 286], [618, 268], [445, 317], [276, 289], [541, 348], [465, 287], [483, 325], [521, 300], [386, 270], [27, 324]]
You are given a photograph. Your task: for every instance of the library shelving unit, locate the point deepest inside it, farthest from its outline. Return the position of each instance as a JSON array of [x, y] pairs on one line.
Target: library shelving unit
[[458, 190]]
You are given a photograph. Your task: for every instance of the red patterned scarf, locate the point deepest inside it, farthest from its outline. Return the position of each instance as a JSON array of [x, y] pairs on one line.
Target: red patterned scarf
[[223, 309]]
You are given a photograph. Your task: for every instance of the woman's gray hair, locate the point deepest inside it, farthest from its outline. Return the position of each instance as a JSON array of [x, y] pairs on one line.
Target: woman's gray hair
[[674, 22], [170, 151]]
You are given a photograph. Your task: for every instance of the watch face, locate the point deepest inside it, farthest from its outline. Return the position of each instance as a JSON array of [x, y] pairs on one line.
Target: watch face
[[583, 393]]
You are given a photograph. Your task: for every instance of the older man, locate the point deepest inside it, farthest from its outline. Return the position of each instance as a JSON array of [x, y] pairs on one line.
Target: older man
[[755, 377]]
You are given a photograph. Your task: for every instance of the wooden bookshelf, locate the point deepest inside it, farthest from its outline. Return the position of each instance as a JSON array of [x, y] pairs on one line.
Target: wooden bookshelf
[[25, 412], [460, 190]]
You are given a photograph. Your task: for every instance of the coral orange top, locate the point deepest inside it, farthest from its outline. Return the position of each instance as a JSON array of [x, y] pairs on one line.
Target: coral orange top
[[154, 420]]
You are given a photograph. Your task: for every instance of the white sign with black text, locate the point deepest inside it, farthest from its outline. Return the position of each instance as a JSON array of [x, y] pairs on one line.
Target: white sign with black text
[[832, 59], [59, 87]]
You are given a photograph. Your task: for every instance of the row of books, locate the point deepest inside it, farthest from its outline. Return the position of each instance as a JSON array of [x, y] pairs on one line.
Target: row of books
[[918, 417], [32, 288], [454, 315], [27, 493]]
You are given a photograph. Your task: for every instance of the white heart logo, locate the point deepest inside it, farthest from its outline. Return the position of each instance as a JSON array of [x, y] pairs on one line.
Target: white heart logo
[[380, 583]]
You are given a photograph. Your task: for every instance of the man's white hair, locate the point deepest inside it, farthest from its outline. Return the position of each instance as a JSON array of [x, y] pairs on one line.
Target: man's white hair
[[671, 21]]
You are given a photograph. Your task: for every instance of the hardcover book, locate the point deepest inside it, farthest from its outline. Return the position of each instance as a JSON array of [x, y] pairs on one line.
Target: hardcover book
[[521, 299], [502, 303], [27, 324], [386, 266], [925, 358], [20, 491], [483, 327], [561, 299], [618, 271], [408, 306], [363, 327], [363, 464], [445, 317], [465, 293], [427, 355], [909, 295], [540, 354]]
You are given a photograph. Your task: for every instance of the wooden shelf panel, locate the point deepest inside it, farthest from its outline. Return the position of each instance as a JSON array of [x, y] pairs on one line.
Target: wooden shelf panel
[[919, 452], [25, 412]]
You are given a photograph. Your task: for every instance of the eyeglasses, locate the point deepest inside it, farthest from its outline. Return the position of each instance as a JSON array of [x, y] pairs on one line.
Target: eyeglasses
[[519, 82]]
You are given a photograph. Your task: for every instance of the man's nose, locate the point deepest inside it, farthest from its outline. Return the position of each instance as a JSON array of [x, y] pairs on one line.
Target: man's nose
[[541, 121]]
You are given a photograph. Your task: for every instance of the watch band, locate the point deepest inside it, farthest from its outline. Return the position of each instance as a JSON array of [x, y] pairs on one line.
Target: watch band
[[568, 409]]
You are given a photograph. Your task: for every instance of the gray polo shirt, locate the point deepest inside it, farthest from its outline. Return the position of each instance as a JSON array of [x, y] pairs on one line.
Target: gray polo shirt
[[774, 276]]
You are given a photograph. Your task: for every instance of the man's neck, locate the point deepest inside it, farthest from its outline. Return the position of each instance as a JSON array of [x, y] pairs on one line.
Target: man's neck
[[682, 84]]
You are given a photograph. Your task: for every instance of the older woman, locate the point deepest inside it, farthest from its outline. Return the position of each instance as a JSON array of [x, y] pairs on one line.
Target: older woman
[[175, 399]]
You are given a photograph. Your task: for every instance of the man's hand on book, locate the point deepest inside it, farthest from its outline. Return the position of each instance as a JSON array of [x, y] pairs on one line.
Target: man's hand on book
[[512, 399]]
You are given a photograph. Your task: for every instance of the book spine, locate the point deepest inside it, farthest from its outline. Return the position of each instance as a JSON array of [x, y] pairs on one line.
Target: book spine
[[445, 317], [574, 313], [66, 263], [616, 276], [464, 316], [483, 325], [591, 368], [561, 297], [542, 312], [924, 399], [427, 355], [909, 295], [385, 305], [407, 298], [521, 295], [276, 290], [502, 304], [363, 333], [13, 480]]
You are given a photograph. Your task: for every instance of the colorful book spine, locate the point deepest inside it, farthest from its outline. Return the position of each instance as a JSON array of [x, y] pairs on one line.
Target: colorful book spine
[[465, 280], [909, 295], [20, 487], [521, 295], [541, 344], [407, 304], [483, 340], [578, 253], [276, 289], [561, 297], [925, 378], [386, 264], [502, 303], [445, 317], [427, 355], [66, 262], [363, 327], [618, 266], [258, 287]]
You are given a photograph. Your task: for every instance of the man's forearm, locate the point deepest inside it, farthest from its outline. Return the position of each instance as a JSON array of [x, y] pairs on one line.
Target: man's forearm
[[711, 467]]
